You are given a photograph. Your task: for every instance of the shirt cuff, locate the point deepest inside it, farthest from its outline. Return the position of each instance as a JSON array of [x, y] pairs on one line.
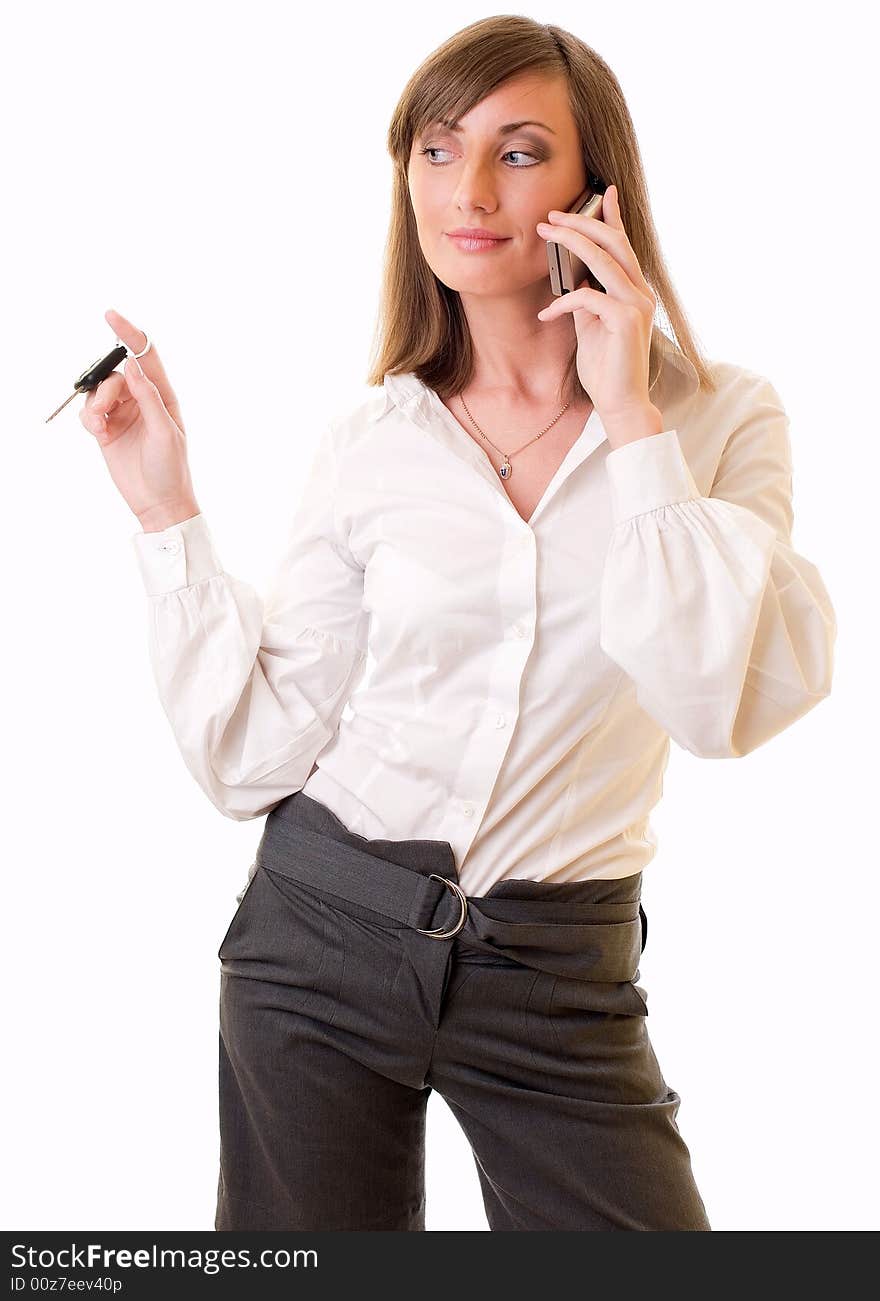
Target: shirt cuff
[[176, 557], [647, 473]]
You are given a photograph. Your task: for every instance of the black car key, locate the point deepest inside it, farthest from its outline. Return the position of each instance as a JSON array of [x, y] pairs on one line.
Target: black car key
[[92, 376]]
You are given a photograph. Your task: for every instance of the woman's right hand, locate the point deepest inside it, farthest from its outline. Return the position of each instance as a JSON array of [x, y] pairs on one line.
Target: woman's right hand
[[141, 437]]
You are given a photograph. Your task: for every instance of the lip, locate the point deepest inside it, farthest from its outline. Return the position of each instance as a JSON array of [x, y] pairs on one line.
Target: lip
[[474, 232], [476, 242]]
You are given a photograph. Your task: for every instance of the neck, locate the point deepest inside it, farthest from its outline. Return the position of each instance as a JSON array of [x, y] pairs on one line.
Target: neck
[[518, 360]]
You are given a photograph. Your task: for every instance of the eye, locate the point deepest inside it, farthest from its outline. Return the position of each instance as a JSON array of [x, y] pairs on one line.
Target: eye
[[519, 153], [431, 149]]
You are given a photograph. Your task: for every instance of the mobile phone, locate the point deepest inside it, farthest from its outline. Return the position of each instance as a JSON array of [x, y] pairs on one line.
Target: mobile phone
[[567, 270]]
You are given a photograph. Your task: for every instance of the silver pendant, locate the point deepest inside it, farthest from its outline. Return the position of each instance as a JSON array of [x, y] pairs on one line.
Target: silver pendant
[[506, 469]]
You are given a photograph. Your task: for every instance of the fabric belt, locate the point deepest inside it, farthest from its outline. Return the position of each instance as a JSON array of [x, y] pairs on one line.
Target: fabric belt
[[596, 941]]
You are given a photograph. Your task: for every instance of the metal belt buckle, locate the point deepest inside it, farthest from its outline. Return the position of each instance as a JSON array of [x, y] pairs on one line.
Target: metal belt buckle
[[440, 934]]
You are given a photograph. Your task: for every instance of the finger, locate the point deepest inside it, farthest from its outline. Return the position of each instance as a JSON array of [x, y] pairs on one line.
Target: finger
[[610, 222], [93, 421], [136, 340], [117, 409], [593, 300], [111, 416], [130, 335], [611, 208], [148, 395], [609, 236], [603, 264], [613, 243], [109, 392]]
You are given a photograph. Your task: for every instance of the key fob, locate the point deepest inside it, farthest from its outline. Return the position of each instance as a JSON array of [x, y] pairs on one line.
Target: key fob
[[100, 369]]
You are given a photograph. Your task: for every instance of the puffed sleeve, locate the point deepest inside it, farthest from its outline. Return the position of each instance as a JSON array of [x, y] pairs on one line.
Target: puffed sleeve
[[253, 690], [727, 632]]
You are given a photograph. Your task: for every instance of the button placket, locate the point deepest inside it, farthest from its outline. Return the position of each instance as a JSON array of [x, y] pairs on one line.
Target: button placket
[[518, 605]]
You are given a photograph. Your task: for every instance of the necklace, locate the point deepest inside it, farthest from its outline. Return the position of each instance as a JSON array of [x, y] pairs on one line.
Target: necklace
[[506, 469]]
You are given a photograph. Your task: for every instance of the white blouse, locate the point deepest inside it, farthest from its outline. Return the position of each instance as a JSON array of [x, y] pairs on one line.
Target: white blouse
[[430, 666]]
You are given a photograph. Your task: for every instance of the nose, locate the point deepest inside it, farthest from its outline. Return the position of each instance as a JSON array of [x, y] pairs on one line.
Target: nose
[[474, 191]]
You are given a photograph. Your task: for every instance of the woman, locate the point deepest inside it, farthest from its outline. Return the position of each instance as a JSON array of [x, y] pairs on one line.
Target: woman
[[563, 539]]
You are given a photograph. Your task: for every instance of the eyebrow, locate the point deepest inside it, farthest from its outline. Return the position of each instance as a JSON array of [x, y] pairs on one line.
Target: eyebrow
[[502, 130]]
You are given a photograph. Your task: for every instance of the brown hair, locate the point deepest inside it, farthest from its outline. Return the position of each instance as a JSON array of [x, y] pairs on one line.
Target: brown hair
[[421, 325]]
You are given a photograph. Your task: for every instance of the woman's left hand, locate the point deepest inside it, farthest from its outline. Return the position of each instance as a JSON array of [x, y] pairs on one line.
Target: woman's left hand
[[613, 329]]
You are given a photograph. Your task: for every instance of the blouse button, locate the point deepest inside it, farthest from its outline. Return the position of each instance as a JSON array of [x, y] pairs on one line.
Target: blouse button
[[468, 810], [500, 720]]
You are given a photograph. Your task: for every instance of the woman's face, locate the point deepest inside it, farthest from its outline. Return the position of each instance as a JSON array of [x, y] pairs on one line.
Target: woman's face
[[503, 182]]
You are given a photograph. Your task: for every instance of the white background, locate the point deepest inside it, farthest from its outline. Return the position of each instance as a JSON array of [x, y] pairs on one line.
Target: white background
[[218, 173]]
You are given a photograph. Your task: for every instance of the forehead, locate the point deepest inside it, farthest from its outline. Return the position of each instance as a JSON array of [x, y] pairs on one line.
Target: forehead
[[529, 98]]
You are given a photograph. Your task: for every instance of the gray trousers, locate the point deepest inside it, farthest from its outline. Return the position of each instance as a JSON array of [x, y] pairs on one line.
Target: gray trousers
[[339, 1014]]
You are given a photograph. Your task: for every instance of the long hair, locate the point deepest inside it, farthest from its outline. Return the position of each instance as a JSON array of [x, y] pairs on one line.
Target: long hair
[[421, 326]]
